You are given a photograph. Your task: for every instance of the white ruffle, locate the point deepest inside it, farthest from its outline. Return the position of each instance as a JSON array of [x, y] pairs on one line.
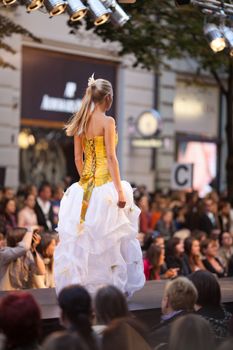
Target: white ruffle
[[102, 250]]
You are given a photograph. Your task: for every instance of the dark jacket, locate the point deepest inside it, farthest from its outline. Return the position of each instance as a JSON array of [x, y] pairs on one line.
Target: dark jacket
[[174, 262], [41, 218], [159, 335], [211, 269], [219, 320]]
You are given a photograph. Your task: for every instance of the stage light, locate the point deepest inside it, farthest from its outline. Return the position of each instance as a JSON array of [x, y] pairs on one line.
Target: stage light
[[214, 37], [55, 7], [118, 15], [228, 35], [33, 5], [8, 2], [76, 9], [98, 11]]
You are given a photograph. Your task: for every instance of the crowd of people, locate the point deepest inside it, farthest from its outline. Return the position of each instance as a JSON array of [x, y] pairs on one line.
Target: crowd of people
[[193, 318], [179, 233]]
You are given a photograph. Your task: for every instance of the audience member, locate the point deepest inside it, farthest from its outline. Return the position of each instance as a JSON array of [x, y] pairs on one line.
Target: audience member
[[180, 296], [27, 217], [166, 225], [208, 304], [192, 259], [8, 218], [43, 207], [191, 332], [120, 331], [19, 260], [57, 196], [20, 321], [226, 250], [208, 221], [174, 255], [212, 263], [145, 223], [77, 313], [224, 216], [64, 340], [46, 249]]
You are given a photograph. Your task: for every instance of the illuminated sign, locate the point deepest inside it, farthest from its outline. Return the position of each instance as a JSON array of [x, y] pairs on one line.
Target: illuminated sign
[[146, 143]]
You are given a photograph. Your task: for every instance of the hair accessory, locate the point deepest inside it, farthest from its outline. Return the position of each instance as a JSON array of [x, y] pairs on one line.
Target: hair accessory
[[91, 80]]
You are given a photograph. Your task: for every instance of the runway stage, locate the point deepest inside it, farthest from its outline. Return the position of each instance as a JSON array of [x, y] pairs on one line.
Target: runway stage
[[145, 304]]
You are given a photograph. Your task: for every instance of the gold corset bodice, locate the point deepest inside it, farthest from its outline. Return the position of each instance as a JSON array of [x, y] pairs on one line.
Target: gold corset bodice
[[95, 169]]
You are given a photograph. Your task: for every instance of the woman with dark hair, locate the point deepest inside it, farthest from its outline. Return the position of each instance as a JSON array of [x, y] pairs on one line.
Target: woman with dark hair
[[46, 250], [120, 330], [77, 313], [154, 268], [8, 217], [209, 249], [20, 321], [192, 259], [174, 255], [209, 303]]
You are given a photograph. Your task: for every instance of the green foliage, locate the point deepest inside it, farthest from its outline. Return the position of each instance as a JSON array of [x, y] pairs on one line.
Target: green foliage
[[7, 29], [159, 30]]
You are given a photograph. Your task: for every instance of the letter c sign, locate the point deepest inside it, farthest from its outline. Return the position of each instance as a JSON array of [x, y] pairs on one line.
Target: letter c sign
[[182, 176]]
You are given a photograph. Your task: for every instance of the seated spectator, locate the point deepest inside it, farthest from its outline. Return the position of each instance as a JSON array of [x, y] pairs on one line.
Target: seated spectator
[[64, 340], [20, 321], [199, 235], [46, 249], [191, 332], [43, 207], [77, 314], [166, 225], [179, 298], [192, 259], [209, 250], [224, 216], [19, 260], [145, 223], [208, 221], [154, 268], [119, 330], [174, 255], [226, 250], [8, 217], [27, 217], [208, 304]]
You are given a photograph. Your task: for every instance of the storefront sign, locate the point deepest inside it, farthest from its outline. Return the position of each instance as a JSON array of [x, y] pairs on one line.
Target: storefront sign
[[54, 83]]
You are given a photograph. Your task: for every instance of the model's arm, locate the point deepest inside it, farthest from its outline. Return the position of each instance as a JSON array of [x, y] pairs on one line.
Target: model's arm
[[78, 154], [110, 144]]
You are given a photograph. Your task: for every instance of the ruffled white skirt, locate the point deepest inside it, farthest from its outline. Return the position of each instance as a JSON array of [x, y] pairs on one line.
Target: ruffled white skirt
[[104, 249]]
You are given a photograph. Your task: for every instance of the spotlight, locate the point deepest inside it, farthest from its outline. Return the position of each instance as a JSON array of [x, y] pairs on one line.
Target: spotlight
[[55, 7], [76, 9], [8, 2], [214, 37], [99, 12], [118, 15], [228, 35], [33, 5]]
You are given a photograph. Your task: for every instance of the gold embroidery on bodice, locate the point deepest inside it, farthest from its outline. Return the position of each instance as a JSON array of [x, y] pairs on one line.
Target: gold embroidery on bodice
[[95, 169]]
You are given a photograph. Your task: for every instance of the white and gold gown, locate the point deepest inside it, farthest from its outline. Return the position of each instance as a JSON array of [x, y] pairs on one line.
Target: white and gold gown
[[98, 244]]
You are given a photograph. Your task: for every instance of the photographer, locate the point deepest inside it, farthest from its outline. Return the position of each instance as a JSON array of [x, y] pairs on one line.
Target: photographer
[[19, 260]]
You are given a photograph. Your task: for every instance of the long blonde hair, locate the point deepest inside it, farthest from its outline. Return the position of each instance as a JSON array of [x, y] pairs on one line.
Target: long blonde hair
[[96, 92]]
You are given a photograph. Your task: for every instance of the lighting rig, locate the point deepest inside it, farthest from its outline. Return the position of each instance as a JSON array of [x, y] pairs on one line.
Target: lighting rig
[[219, 36], [100, 10]]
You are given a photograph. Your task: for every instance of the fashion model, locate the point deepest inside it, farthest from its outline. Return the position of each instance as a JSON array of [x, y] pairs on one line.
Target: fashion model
[[98, 220]]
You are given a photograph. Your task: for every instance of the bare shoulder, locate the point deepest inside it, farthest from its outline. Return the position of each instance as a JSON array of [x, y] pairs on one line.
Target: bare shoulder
[[109, 122]]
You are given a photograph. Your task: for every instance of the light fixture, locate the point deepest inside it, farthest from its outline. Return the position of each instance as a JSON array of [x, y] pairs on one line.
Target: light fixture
[[99, 11], [8, 2], [214, 37], [33, 5], [76, 9], [55, 7], [118, 15], [228, 35]]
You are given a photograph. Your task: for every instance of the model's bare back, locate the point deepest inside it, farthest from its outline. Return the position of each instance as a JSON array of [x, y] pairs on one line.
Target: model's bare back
[[96, 125]]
